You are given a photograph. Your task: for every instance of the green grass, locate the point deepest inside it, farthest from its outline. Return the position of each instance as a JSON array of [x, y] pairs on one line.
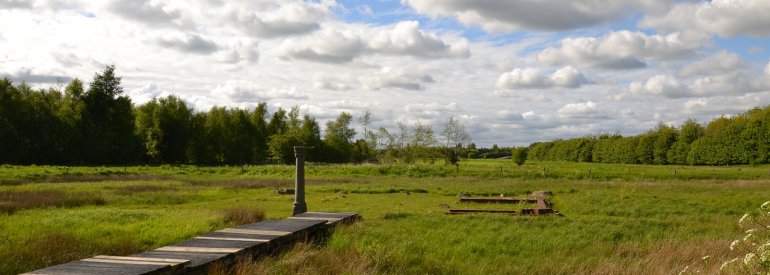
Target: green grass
[[620, 219]]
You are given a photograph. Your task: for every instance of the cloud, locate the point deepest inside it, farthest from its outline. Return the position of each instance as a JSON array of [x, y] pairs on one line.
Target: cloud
[[348, 104], [406, 38], [155, 13], [248, 92], [617, 50], [293, 18], [660, 85], [529, 78], [402, 39], [723, 73], [188, 43], [430, 109], [509, 115], [331, 84], [392, 78], [542, 15], [579, 110], [721, 62], [719, 106], [236, 91], [326, 47], [240, 52], [15, 4], [146, 93], [26, 75], [767, 69], [727, 18]]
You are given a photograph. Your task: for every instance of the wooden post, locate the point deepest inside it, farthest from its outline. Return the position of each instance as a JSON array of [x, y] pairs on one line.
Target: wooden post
[[299, 182], [589, 172]]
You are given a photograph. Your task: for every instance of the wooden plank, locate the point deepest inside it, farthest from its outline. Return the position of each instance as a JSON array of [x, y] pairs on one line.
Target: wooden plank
[[233, 239], [463, 211], [195, 258], [192, 249], [196, 254], [171, 261], [328, 220], [83, 267], [113, 261], [255, 232]]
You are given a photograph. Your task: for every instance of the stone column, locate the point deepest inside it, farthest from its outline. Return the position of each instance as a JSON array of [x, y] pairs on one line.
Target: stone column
[[299, 183]]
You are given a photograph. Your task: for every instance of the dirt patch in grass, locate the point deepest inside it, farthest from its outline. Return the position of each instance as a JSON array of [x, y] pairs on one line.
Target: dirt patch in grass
[[133, 189], [242, 215], [12, 201]]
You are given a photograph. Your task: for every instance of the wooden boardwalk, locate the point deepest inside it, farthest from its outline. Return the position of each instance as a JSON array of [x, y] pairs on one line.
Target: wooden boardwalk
[[220, 248]]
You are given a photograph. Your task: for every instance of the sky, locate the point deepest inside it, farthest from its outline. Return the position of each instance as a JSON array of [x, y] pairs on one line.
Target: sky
[[513, 72]]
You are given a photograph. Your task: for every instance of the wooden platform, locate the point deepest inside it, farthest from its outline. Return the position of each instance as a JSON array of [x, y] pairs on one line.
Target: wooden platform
[[222, 248]]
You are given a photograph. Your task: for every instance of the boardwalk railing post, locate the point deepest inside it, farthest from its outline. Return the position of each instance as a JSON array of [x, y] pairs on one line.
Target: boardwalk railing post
[[299, 182]]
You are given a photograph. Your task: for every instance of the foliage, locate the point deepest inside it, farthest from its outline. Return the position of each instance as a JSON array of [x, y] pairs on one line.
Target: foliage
[[100, 126], [338, 139], [519, 155], [739, 139], [755, 244]]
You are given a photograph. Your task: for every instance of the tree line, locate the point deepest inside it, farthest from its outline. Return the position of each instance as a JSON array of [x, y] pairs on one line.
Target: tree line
[[72, 125], [739, 139]]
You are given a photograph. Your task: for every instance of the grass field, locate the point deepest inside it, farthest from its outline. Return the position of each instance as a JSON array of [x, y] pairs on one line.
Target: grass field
[[617, 218]]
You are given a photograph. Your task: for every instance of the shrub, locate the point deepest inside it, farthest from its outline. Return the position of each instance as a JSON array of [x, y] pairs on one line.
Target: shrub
[[519, 155]]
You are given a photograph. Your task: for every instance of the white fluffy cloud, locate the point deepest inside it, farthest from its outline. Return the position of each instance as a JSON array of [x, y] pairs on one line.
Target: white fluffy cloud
[[721, 74], [149, 12], [395, 78], [660, 85], [402, 39], [579, 110], [529, 78], [15, 4], [28, 76], [328, 46], [240, 51], [327, 84], [277, 20], [618, 50], [549, 15], [728, 18], [719, 63], [406, 38], [248, 92], [188, 43], [431, 109]]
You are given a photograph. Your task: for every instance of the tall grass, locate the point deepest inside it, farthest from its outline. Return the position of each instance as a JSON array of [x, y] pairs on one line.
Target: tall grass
[[12, 201], [656, 223], [239, 215]]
